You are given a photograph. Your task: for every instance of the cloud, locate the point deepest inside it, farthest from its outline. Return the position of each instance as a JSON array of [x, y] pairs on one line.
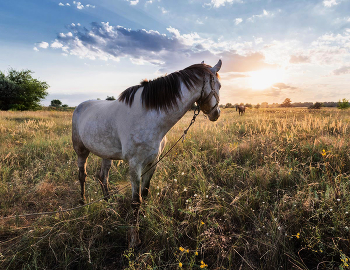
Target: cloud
[[244, 63], [283, 86], [330, 3], [43, 45], [164, 11], [219, 3], [36, 49], [78, 5], [172, 51], [133, 3], [297, 59], [265, 13], [238, 21], [331, 48], [342, 70], [258, 40], [277, 89]]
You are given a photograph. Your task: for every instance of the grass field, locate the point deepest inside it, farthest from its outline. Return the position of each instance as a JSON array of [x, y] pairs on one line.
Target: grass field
[[268, 190]]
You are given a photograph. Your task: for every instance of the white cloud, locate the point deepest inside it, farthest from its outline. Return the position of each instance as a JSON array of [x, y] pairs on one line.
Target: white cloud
[[61, 4], [35, 49], [43, 45], [79, 5], [164, 11], [134, 3], [56, 44], [258, 40], [330, 3], [265, 13], [238, 21], [219, 3], [331, 48]]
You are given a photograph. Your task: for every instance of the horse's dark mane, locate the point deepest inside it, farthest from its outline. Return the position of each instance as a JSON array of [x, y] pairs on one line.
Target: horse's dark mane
[[163, 92]]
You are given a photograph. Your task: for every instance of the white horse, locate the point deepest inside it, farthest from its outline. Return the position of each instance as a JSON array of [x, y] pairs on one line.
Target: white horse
[[133, 128]]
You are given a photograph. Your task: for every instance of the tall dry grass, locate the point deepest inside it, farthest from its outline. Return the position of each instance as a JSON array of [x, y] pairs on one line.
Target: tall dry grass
[[268, 190]]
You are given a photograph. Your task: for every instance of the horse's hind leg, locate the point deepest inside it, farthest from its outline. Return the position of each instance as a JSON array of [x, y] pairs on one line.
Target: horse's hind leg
[[135, 177], [103, 177], [82, 157]]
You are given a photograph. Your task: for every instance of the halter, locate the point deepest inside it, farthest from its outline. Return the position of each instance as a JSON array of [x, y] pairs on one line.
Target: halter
[[212, 93]]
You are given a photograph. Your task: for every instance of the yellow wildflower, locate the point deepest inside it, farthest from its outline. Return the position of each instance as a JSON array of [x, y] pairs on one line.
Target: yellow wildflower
[[196, 253], [187, 251], [203, 265], [181, 249], [324, 152], [298, 235], [180, 265], [202, 223]]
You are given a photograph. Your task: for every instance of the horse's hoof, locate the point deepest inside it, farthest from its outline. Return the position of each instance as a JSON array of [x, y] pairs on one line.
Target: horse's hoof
[[134, 239]]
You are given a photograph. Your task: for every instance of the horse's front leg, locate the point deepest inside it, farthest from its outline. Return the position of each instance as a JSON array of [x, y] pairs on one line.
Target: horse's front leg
[[148, 171], [146, 178], [135, 178]]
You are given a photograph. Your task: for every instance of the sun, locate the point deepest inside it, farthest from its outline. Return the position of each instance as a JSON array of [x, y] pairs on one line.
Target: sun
[[262, 79]]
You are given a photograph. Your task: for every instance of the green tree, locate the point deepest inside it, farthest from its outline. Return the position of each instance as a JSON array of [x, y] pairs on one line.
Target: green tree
[[344, 104], [110, 98], [56, 103], [20, 91], [287, 103]]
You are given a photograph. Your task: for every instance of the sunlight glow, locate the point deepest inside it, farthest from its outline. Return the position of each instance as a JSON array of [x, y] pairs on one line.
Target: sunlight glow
[[262, 79]]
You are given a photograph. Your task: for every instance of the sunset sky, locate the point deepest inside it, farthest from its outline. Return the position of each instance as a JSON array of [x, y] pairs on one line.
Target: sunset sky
[[271, 49]]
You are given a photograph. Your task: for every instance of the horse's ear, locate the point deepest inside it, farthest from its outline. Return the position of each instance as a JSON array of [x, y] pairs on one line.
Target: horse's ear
[[202, 62], [217, 67]]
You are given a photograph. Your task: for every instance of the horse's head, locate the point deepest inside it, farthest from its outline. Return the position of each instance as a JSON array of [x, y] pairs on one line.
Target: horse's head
[[209, 102]]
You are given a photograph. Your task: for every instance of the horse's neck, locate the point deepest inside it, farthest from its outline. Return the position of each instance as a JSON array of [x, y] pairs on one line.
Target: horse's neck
[[172, 116]]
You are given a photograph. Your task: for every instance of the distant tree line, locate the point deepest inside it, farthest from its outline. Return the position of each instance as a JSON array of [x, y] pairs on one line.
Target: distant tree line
[[287, 103]]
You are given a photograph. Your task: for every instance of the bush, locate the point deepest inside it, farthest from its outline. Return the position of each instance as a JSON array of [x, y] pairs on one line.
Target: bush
[[344, 104]]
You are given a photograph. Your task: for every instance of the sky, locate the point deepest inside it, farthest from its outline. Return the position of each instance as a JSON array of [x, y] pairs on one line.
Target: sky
[[270, 49]]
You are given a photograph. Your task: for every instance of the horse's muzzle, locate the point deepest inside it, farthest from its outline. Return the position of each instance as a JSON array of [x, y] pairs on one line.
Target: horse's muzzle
[[214, 115]]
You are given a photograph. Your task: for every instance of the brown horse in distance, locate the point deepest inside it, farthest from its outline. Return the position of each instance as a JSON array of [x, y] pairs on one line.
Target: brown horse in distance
[[241, 109]]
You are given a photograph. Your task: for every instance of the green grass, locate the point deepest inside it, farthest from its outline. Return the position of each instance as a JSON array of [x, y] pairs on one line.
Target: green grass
[[268, 190]]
